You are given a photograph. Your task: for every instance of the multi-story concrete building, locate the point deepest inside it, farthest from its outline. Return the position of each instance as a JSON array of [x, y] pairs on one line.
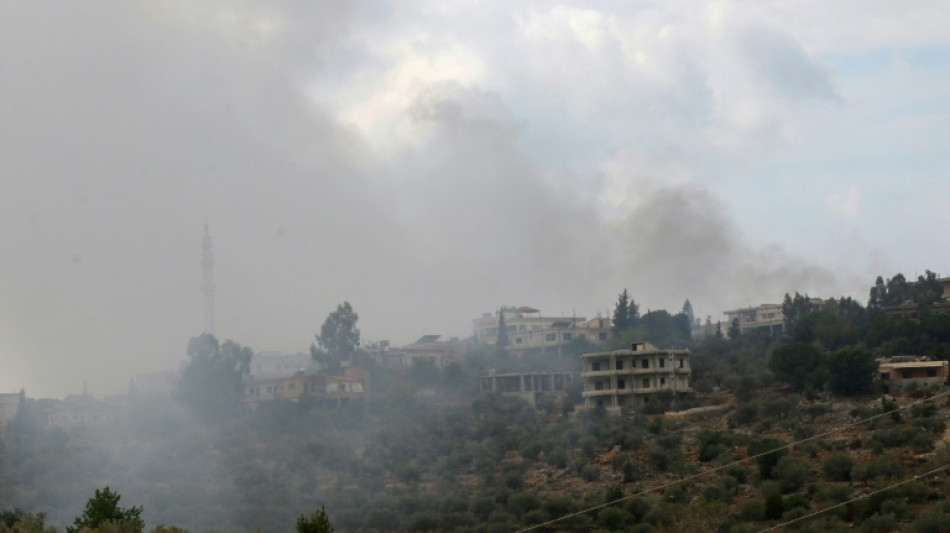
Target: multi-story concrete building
[[277, 364], [765, 317], [428, 348], [529, 386], [527, 329], [629, 378]]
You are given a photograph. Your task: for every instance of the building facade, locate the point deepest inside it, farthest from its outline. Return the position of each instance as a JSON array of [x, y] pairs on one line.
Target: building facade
[[429, 349], [630, 378], [351, 385], [899, 373], [530, 387], [526, 329], [766, 317]]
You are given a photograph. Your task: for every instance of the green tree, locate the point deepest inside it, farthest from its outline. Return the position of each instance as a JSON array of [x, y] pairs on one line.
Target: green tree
[[501, 344], [798, 364], [103, 508], [18, 521], [688, 311], [851, 371], [795, 307], [626, 313], [211, 383], [339, 338], [735, 331], [317, 522]]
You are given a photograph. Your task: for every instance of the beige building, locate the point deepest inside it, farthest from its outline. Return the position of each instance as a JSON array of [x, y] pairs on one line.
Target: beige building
[[629, 378], [352, 385], [527, 329], [427, 348], [79, 410], [277, 364], [765, 317], [897, 373]]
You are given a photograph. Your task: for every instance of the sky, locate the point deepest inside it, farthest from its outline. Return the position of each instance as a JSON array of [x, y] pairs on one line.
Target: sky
[[430, 161]]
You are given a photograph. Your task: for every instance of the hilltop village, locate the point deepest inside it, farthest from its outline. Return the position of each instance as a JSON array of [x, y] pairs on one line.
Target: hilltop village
[[635, 422]]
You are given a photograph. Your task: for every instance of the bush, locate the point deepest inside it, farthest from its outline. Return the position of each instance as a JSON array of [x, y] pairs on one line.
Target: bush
[[590, 472], [614, 518], [885, 466], [317, 522], [104, 507], [766, 461], [933, 522], [837, 466], [879, 523], [746, 414], [791, 473], [923, 410], [774, 506], [752, 511], [522, 502]]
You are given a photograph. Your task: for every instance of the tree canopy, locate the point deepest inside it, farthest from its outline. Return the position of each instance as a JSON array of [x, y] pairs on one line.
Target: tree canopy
[[339, 338], [104, 507], [501, 344], [317, 522], [626, 313], [211, 383]]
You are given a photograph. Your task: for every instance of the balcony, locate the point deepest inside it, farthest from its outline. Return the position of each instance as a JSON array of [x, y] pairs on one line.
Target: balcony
[[633, 390]]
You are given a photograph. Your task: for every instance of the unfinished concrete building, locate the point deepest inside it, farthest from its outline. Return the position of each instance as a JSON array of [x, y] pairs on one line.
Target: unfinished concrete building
[[630, 378]]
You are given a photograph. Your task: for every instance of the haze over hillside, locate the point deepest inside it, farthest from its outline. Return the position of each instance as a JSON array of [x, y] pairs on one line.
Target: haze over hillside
[[429, 163]]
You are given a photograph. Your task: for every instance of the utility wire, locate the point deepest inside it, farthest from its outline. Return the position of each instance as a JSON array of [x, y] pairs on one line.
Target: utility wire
[[728, 465], [852, 500]]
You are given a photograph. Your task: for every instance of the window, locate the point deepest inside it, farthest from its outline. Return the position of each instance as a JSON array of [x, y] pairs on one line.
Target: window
[[662, 363], [662, 382], [681, 363], [885, 376], [619, 365], [906, 374], [518, 340], [598, 385], [595, 366], [646, 383], [621, 384], [550, 337], [931, 372], [567, 336], [644, 363]]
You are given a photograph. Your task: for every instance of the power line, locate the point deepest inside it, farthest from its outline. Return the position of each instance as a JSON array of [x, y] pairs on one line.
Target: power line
[[852, 500], [728, 465]]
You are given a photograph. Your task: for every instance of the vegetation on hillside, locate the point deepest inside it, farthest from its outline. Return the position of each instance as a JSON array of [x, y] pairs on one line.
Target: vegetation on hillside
[[453, 459]]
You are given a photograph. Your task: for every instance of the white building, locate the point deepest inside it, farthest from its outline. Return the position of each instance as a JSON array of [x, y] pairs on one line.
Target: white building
[[527, 329]]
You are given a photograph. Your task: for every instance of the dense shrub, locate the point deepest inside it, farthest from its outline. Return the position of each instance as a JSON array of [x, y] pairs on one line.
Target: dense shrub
[[837, 466]]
